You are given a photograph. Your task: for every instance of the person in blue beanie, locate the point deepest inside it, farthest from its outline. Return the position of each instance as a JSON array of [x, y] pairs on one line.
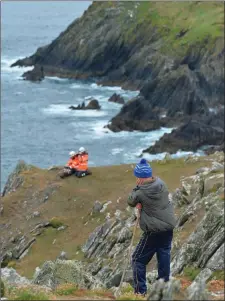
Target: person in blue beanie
[[157, 220]]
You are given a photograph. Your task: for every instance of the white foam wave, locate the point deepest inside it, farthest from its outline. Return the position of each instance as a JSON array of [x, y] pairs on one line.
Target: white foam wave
[[56, 79], [151, 137], [106, 88], [63, 109], [77, 86], [178, 154], [7, 62], [95, 86], [99, 130]]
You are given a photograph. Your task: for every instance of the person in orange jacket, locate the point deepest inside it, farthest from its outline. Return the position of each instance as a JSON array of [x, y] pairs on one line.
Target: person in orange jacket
[[73, 161], [71, 166], [82, 167]]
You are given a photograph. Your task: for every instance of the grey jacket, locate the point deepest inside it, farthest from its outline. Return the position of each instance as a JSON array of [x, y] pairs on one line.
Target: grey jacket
[[157, 212]]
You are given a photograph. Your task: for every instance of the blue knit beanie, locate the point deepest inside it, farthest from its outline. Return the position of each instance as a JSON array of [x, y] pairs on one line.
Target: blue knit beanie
[[143, 170]]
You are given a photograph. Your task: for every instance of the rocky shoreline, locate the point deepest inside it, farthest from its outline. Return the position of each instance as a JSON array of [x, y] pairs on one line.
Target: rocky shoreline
[[178, 86]]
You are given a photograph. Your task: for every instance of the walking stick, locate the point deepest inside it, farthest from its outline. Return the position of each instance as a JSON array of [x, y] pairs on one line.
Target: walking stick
[[117, 293]]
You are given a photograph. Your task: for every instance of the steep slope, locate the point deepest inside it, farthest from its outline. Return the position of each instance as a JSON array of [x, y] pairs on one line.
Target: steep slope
[[197, 253], [36, 202]]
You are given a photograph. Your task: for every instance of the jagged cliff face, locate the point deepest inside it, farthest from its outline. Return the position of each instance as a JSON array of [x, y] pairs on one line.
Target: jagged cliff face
[[172, 52], [198, 238]]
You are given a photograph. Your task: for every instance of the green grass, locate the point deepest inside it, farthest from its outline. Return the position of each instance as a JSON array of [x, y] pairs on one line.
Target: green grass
[[217, 275], [202, 23], [27, 293], [55, 222], [2, 288], [191, 272]]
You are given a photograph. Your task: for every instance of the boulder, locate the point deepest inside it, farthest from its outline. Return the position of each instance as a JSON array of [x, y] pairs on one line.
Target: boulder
[[97, 207], [202, 277], [59, 272], [164, 291], [117, 99], [63, 256], [10, 276], [92, 105], [213, 183], [216, 262]]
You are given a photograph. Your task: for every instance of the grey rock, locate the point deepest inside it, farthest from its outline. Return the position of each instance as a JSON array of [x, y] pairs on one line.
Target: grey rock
[[152, 276], [61, 228], [198, 291], [36, 214], [45, 275], [15, 179], [216, 262], [63, 256], [202, 277], [213, 182], [23, 245], [97, 207], [10, 276], [156, 292], [117, 99], [65, 271], [207, 233]]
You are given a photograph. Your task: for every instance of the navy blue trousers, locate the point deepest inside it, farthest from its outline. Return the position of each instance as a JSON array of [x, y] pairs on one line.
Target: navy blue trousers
[[149, 244]]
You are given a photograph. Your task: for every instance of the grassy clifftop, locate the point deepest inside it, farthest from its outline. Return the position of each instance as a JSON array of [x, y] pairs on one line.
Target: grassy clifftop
[[180, 24], [70, 202]]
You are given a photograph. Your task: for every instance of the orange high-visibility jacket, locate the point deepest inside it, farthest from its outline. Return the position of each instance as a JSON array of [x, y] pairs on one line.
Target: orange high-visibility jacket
[[73, 162], [83, 162]]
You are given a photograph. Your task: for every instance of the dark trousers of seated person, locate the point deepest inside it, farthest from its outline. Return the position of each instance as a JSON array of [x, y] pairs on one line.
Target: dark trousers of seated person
[[80, 173], [149, 244]]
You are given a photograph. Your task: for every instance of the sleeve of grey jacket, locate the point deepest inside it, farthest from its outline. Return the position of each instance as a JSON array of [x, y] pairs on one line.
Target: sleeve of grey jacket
[[133, 198]]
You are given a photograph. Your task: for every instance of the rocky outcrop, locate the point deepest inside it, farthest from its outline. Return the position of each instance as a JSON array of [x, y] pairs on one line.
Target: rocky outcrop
[[35, 75], [15, 179], [135, 115], [52, 274], [191, 136], [208, 236], [117, 99], [10, 276], [92, 105]]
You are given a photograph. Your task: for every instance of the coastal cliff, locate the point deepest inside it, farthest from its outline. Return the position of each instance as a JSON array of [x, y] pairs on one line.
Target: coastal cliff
[[172, 52]]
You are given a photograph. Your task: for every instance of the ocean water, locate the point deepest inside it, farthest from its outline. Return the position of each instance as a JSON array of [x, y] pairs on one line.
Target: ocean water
[[36, 124]]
